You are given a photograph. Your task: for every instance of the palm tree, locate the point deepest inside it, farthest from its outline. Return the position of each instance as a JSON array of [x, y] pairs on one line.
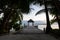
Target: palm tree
[[57, 8], [43, 10], [56, 18], [15, 20], [53, 11], [48, 28]]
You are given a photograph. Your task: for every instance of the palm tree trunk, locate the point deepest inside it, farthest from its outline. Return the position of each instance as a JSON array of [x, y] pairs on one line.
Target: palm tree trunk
[[48, 28], [4, 24]]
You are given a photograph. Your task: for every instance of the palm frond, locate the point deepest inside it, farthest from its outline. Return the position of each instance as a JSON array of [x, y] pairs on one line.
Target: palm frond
[[43, 10], [53, 21], [40, 11]]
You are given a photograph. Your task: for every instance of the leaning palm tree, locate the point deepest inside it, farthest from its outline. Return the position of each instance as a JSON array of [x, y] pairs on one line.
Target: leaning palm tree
[[43, 10], [53, 11], [54, 3], [48, 28]]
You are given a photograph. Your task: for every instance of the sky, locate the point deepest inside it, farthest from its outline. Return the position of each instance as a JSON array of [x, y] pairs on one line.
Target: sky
[[31, 15]]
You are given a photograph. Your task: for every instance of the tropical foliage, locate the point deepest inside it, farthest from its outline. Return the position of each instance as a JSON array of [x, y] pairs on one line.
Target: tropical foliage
[[12, 10]]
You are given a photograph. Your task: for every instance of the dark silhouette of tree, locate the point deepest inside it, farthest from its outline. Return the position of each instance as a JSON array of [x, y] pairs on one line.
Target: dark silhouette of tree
[[54, 11], [9, 8], [48, 28], [56, 3]]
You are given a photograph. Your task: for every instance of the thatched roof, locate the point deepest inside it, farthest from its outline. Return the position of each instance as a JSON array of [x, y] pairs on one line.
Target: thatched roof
[[30, 20]]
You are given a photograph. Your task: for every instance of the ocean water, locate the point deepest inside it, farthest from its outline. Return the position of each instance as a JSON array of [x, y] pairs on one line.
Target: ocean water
[[41, 27]]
